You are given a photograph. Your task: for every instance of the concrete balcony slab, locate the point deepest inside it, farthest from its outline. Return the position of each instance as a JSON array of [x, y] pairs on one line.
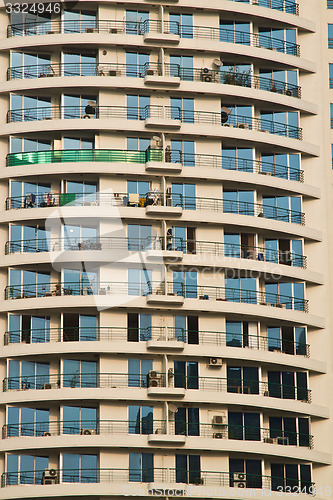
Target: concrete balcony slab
[[173, 81], [162, 165]]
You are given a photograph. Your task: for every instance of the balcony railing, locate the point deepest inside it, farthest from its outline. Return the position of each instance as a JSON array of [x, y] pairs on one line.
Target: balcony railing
[[154, 112], [157, 155], [147, 26], [180, 289], [93, 155], [173, 428], [156, 333], [157, 243], [149, 68], [156, 475], [171, 380], [48, 200], [288, 6]]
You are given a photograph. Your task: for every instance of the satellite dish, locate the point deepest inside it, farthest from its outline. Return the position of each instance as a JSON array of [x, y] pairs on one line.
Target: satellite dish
[[217, 62], [173, 408], [156, 138], [92, 103], [224, 117], [225, 112]]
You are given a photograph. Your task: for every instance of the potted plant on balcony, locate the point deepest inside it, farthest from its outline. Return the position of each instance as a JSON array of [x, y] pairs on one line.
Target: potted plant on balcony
[[230, 78]]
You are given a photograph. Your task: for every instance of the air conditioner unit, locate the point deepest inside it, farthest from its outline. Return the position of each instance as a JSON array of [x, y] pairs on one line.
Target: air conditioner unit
[[218, 435], [264, 173], [215, 362], [114, 72], [88, 432], [91, 30], [281, 306], [150, 72], [153, 379], [48, 385], [50, 480], [50, 476], [269, 440], [239, 480], [50, 472], [282, 440], [219, 420], [153, 382], [116, 30], [206, 75], [243, 125], [239, 476]]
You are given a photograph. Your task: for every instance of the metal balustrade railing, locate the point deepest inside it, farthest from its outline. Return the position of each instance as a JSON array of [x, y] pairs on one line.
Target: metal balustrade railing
[[154, 112], [155, 333], [148, 25], [42, 290], [150, 154], [157, 243], [288, 6], [155, 380], [181, 477], [193, 247], [88, 475], [49, 200], [245, 79], [92, 155], [150, 426]]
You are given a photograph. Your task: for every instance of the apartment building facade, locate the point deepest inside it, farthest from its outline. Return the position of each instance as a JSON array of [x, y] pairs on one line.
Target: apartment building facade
[[165, 249]]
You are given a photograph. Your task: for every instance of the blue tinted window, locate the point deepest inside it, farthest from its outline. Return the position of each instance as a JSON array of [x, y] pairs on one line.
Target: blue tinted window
[[234, 333], [232, 245]]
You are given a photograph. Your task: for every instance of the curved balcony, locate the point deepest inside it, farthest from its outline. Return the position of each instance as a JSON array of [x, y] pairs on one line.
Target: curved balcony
[[193, 247], [152, 199], [168, 116], [179, 477], [155, 335], [154, 69], [160, 380], [288, 6], [152, 26], [154, 155], [150, 289], [166, 428]]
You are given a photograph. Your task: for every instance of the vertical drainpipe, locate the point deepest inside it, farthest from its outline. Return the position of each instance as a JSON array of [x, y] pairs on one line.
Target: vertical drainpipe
[[164, 229], [166, 412], [164, 235], [164, 190], [162, 30], [163, 144]]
